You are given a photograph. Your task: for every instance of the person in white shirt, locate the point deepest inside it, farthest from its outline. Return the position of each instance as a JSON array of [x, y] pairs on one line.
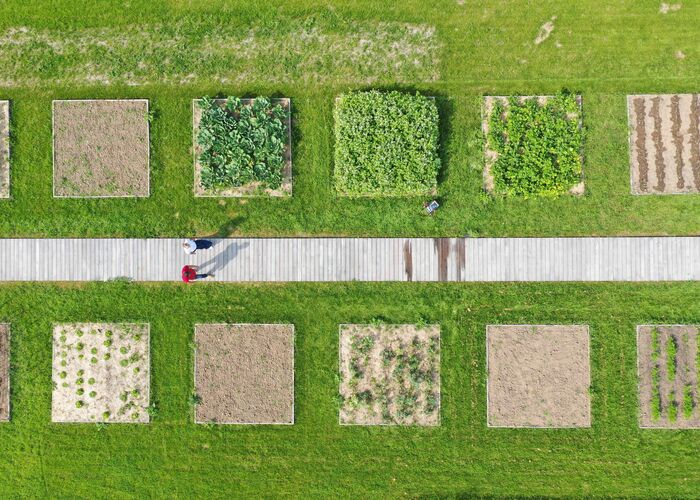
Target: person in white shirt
[[191, 246]]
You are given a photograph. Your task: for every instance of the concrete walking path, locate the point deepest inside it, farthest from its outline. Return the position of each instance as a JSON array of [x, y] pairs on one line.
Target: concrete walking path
[[357, 259]]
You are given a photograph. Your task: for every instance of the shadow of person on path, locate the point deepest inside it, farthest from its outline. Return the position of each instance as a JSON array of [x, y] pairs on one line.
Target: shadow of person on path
[[222, 258]]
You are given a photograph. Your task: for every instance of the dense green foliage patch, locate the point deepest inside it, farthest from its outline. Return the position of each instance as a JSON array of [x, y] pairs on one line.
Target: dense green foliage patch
[[538, 145], [241, 143], [386, 143]]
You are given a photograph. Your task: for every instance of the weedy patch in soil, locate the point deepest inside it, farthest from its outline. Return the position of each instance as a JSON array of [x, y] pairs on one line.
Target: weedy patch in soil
[[664, 143], [4, 149], [668, 364], [534, 145], [538, 376], [242, 147], [101, 373], [390, 375], [4, 372], [101, 148], [244, 374]]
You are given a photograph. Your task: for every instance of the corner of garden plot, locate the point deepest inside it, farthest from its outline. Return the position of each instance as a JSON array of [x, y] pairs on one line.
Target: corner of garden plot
[[389, 374], [101, 373], [505, 123], [4, 372], [664, 143], [244, 374], [667, 365], [538, 376], [101, 148], [237, 159], [386, 144]]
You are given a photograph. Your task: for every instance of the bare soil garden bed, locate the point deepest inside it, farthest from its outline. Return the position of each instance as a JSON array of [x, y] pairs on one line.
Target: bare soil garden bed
[[4, 149], [101, 373], [667, 361], [490, 153], [244, 374], [664, 143], [4, 372], [390, 375], [101, 148], [254, 188], [538, 376]]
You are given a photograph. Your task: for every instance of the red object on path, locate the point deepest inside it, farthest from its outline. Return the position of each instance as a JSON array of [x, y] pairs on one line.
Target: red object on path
[[188, 274]]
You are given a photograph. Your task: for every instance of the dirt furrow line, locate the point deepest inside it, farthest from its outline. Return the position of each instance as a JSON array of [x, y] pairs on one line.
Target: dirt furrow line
[[694, 132], [659, 148], [677, 139], [640, 144]]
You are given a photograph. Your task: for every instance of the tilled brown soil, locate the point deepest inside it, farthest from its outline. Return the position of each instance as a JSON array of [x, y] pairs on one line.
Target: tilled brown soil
[[390, 375], [538, 376], [254, 188], [4, 149], [4, 372], [664, 143], [244, 374], [667, 361], [101, 148]]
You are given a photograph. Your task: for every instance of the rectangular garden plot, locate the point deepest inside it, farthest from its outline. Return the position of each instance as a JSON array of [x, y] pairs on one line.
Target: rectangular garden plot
[[101, 373], [4, 149], [667, 360], [100, 148], [534, 145], [242, 147], [390, 375], [664, 143], [4, 372], [386, 144], [244, 374], [538, 376]]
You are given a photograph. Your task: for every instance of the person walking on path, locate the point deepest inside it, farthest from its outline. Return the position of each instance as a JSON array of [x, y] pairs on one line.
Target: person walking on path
[[189, 273], [191, 246]]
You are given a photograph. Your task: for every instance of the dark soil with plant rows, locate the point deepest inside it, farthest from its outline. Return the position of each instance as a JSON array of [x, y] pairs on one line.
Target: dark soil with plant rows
[[668, 376]]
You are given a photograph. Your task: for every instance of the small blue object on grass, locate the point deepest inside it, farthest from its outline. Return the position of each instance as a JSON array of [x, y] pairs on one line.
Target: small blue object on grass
[[430, 207]]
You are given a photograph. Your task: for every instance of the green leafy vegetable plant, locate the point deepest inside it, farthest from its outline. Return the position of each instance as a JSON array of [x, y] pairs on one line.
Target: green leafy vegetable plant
[[538, 145], [240, 144], [386, 144]]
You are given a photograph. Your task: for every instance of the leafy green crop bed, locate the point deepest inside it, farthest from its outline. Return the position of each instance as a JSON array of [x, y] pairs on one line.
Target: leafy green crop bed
[[537, 144], [316, 456], [241, 143], [386, 144]]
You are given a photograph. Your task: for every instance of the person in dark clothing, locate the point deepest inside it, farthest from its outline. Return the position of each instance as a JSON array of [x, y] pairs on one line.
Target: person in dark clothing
[[191, 246], [189, 273]]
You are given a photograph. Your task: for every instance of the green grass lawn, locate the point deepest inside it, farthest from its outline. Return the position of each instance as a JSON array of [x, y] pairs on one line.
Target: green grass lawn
[[174, 457], [176, 50], [306, 50]]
